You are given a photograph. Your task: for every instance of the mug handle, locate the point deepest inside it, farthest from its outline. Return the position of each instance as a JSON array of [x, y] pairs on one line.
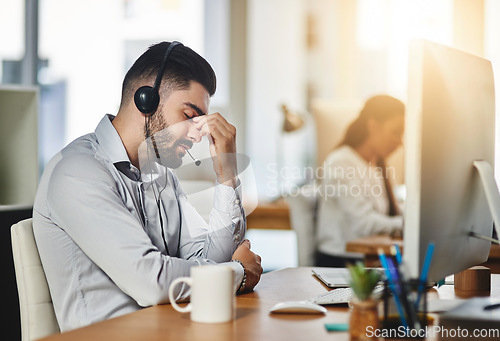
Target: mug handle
[[180, 309]]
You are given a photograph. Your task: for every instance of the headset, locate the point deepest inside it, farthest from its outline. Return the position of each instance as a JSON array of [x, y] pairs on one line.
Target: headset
[[147, 98]]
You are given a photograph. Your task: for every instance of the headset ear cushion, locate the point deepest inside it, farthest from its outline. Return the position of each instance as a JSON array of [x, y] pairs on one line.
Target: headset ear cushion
[[146, 100]]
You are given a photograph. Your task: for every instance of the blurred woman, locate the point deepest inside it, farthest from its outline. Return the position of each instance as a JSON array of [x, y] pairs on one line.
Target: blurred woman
[[357, 196]]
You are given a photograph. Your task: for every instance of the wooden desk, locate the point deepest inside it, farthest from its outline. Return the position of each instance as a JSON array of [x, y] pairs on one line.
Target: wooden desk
[[369, 247], [252, 323], [274, 215]]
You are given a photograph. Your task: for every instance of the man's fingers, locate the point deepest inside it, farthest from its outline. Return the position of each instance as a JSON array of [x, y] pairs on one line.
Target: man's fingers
[[209, 122], [246, 242]]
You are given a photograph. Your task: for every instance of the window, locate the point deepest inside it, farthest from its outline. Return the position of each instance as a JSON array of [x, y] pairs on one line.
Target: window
[[11, 40]]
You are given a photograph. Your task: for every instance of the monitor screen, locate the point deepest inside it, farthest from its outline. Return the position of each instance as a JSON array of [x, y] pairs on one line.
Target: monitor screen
[[450, 123]]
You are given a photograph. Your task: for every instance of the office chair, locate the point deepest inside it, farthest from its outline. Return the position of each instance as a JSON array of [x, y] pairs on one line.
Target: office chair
[[37, 312], [303, 211]]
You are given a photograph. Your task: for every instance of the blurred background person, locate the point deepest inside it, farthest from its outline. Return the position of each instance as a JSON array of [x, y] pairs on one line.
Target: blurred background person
[[358, 200]]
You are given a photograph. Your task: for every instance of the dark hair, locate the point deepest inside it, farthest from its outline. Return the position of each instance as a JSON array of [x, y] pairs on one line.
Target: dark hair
[[183, 66], [380, 108]]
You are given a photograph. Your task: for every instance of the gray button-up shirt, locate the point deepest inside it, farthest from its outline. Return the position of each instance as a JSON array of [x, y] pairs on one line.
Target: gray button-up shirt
[[96, 221]]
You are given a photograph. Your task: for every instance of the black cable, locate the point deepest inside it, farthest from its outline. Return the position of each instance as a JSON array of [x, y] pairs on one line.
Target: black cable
[[162, 230], [154, 184]]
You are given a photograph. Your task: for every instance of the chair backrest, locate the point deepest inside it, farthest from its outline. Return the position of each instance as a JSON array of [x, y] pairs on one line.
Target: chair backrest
[[332, 119], [37, 312], [303, 210]]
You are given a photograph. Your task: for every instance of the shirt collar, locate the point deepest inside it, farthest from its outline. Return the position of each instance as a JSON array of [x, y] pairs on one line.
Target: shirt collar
[[357, 157], [113, 147]]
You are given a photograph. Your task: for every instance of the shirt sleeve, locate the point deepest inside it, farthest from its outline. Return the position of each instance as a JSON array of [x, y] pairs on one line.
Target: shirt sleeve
[[85, 202], [352, 195], [363, 219], [220, 237]]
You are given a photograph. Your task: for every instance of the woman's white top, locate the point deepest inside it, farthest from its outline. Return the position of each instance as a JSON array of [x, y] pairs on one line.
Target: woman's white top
[[354, 201]]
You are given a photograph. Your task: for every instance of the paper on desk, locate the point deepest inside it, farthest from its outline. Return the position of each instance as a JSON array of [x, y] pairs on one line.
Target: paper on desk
[[473, 309], [441, 305]]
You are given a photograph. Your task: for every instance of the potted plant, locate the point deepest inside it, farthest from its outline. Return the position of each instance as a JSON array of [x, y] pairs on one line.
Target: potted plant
[[364, 312]]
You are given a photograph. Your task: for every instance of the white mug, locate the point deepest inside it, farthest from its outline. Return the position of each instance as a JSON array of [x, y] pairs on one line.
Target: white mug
[[212, 294]]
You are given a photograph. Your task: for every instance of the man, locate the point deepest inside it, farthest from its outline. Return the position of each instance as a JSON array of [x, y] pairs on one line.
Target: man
[[112, 225]]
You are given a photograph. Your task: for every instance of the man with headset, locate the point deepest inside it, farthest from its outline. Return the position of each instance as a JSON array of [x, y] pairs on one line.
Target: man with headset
[[112, 225]]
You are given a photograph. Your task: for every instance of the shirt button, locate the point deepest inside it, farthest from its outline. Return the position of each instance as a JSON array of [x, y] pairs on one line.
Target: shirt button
[[237, 201]]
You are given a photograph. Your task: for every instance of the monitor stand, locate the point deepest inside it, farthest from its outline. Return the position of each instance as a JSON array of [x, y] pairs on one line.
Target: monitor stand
[[473, 282], [492, 197]]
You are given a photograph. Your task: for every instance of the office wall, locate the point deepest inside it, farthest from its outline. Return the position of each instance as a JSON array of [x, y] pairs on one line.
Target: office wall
[[275, 75], [18, 145]]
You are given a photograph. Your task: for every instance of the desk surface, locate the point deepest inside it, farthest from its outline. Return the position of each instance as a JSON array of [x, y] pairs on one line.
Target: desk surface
[[253, 322], [369, 246], [274, 215]]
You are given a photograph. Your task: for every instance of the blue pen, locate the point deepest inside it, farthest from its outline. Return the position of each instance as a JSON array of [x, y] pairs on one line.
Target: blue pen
[[383, 260], [425, 270], [401, 289], [395, 277], [397, 252]]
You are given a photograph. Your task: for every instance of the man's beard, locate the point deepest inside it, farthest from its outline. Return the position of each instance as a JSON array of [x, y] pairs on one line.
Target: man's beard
[[161, 142], [155, 123]]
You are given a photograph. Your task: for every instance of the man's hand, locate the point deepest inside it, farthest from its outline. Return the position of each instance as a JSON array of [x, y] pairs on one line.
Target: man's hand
[[222, 138], [251, 262]]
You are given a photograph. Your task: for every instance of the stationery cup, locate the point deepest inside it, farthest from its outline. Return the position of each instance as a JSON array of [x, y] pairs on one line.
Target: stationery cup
[[212, 294]]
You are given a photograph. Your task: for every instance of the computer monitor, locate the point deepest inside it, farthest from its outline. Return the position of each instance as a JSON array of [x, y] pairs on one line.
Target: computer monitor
[[450, 124]]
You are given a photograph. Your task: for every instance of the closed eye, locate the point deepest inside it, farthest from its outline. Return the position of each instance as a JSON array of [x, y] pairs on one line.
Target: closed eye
[[187, 116]]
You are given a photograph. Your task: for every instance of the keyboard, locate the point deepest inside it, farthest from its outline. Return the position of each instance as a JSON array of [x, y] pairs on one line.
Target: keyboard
[[340, 296]]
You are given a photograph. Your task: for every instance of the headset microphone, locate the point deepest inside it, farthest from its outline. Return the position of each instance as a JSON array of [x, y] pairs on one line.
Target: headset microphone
[[196, 161]]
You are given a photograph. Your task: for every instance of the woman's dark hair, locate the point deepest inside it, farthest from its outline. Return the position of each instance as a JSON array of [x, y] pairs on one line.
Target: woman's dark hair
[[183, 66], [380, 108]]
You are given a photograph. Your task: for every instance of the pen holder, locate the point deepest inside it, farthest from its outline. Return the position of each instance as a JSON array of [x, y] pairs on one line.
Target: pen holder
[[364, 317], [404, 316]]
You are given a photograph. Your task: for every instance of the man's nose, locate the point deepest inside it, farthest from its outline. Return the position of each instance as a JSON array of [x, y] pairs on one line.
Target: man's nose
[[194, 133]]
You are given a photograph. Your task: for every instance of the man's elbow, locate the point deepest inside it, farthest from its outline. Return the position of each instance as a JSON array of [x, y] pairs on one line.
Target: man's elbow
[[152, 296]]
